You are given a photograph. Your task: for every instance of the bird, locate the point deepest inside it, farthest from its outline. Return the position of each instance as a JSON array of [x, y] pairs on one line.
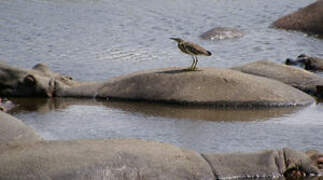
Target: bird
[[192, 49]]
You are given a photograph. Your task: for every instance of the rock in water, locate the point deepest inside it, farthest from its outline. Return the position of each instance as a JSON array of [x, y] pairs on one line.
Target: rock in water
[[296, 77], [207, 86], [220, 33], [308, 19]]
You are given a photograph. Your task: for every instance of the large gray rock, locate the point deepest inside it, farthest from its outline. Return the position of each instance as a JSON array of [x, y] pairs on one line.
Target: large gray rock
[[296, 77], [207, 86], [113, 159], [211, 86], [138, 159], [13, 129], [308, 19]]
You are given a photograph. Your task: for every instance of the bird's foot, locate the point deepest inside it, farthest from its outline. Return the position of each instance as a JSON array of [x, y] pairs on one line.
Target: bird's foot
[[191, 69]]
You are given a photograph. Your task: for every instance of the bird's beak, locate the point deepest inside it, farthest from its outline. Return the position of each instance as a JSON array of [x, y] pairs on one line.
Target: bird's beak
[[175, 39]]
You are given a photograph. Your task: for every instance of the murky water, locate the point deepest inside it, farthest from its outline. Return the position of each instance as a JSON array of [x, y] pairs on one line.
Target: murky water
[[100, 39]]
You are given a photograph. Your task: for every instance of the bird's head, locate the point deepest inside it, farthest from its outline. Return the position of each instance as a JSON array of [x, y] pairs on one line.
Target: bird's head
[[177, 39]]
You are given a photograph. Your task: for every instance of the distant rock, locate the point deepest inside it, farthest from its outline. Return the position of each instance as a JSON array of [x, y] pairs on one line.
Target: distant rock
[[207, 86], [296, 77], [308, 19], [220, 33]]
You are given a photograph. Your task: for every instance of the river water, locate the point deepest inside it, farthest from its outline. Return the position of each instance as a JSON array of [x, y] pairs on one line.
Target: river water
[[100, 39]]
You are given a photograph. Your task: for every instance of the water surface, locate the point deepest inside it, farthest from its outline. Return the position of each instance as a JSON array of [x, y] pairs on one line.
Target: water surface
[[101, 39]]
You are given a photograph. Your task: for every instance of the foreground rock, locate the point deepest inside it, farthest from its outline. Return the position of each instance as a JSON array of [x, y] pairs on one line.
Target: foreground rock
[[296, 77], [12, 129], [262, 164], [207, 86], [101, 159], [307, 62], [220, 33], [134, 159], [138, 159], [308, 19]]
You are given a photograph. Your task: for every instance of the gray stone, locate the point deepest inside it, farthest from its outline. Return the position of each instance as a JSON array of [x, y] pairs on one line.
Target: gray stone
[[101, 159], [219, 33], [211, 86], [296, 77], [207, 86], [13, 129], [308, 19], [262, 164]]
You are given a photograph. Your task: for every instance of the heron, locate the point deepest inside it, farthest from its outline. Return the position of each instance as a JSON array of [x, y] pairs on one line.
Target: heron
[[192, 49]]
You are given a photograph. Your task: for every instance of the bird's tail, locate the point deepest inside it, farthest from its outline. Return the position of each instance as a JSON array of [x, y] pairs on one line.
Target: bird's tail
[[209, 53]]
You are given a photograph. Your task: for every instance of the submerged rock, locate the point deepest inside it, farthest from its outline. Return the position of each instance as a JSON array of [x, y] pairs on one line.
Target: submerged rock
[[207, 86], [307, 62], [220, 33], [296, 77], [308, 19]]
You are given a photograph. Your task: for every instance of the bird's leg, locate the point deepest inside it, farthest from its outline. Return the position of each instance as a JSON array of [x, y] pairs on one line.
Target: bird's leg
[[196, 60], [192, 66]]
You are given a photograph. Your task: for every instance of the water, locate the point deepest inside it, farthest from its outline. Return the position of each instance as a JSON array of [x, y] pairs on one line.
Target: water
[[100, 39]]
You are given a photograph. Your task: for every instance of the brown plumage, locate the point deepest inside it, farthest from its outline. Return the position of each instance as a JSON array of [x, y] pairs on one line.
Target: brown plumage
[[192, 49]]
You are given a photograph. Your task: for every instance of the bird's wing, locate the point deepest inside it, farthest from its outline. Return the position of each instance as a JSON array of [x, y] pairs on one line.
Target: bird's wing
[[195, 48]]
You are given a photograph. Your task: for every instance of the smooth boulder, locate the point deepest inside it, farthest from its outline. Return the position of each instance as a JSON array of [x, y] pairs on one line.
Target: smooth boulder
[[136, 159], [219, 33], [294, 76], [207, 86], [13, 129], [112, 159], [308, 19]]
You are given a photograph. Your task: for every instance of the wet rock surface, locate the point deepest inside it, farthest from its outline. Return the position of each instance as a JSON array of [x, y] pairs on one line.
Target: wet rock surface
[[296, 77], [308, 19]]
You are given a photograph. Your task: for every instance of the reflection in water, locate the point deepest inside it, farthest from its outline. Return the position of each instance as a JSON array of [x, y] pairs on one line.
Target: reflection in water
[[201, 113], [224, 131], [209, 113]]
